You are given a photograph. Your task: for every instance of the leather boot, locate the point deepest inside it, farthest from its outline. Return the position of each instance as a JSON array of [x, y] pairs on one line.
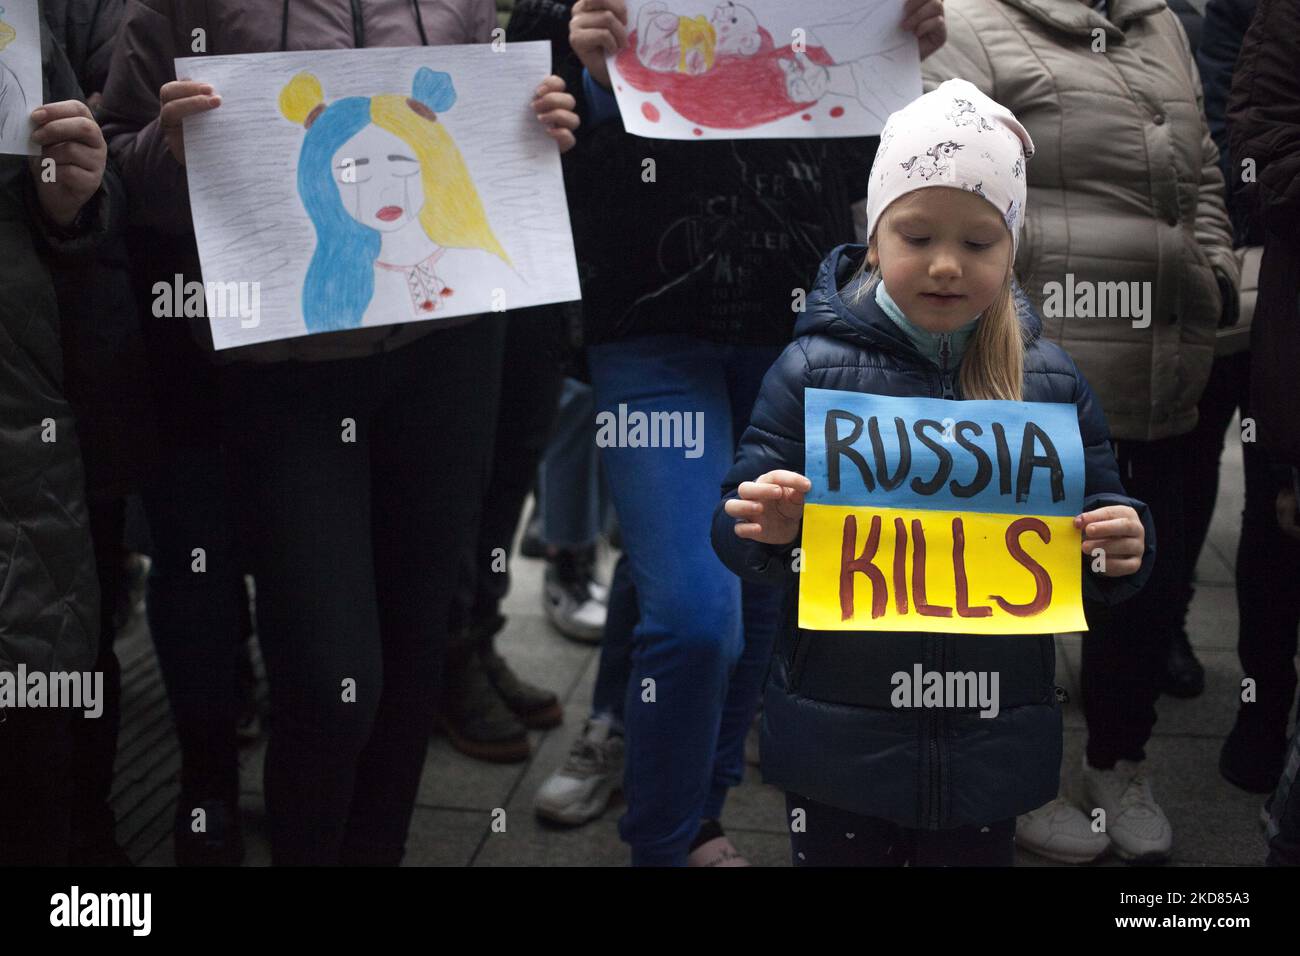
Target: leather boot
[[474, 716], [536, 708]]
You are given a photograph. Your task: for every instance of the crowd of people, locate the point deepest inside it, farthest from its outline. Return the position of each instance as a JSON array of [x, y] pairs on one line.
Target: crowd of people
[[1108, 141]]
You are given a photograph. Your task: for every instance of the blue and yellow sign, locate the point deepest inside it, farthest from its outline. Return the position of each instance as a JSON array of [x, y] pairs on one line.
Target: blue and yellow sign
[[931, 515]]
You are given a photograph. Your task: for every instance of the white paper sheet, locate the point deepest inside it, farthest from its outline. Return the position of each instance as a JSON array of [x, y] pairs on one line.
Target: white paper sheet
[[20, 75], [413, 219], [694, 69]]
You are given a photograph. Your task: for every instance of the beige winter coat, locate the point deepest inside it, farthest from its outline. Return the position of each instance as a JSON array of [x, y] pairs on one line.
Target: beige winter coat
[[1124, 188]]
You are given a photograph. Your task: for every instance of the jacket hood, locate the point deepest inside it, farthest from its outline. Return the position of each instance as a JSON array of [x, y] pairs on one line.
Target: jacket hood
[[1081, 19], [866, 324]]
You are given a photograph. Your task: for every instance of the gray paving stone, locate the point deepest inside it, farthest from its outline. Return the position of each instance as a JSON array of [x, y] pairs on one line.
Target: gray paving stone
[[1213, 822], [452, 780], [1213, 712], [1212, 618], [529, 842], [542, 656], [755, 806], [444, 837], [762, 848]]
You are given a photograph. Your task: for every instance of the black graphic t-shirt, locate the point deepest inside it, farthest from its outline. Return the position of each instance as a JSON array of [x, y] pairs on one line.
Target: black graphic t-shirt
[[709, 238]]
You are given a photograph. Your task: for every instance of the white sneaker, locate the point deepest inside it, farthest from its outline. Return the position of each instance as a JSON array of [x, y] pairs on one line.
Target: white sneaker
[[570, 605], [1060, 831], [581, 789], [1138, 828]]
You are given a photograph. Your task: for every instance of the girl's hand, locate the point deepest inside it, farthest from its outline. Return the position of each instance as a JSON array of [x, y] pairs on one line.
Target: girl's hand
[[1117, 530], [598, 27], [925, 19], [770, 508], [554, 108], [69, 135], [176, 100]]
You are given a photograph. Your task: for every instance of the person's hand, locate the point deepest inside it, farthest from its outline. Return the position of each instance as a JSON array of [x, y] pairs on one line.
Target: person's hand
[[69, 135], [554, 108], [178, 99], [597, 28], [1118, 531], [1230, 298], [770, 508], [925, 19], [1286, 513]]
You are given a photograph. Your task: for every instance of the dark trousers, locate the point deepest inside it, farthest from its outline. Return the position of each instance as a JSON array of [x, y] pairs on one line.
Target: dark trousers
[[195, 591], [1126, 645], [531, 376], [1268, 615], [833, 837], [95, 740], [194, 615], [36, 786], [356, 547], [1268, 601], [1283, 828]]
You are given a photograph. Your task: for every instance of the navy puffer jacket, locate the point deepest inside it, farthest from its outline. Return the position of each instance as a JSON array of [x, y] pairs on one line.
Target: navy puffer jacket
[[829, 731]]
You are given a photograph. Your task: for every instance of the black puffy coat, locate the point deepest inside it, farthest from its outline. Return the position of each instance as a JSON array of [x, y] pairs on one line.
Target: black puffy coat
[[49, 594], [829, 732], [1264, 126]]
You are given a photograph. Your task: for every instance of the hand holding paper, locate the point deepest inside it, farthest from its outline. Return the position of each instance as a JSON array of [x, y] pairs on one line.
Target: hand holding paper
[[598, 28], [924, 18], [1117, 530], [772, 505], [555, 111], [68, 134], [177, 100]]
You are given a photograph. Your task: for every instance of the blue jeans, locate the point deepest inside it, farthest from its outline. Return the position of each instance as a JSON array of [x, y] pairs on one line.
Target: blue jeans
[[698, 660], [569, 494], [615, 666]]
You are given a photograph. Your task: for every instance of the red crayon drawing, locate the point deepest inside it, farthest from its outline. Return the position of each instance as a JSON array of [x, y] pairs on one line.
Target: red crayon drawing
[[738, 92], [725, 71]]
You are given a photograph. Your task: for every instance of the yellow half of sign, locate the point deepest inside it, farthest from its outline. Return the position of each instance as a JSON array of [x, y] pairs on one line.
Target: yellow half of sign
[[886, 569]]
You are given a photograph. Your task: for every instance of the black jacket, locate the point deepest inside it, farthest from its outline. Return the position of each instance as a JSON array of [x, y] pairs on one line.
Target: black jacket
[[1264, 125], [716, 245], [829, 731], [1224, 28], [49, 594], [106, 377]]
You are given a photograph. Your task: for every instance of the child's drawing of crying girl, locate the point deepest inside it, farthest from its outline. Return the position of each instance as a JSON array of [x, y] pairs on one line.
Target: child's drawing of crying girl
[[401, 233]]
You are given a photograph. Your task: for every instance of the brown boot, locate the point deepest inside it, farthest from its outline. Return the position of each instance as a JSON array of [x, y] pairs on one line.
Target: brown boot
[[475, 718], [537, 708]]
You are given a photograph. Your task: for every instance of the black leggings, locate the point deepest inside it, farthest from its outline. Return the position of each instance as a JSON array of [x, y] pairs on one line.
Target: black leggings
[[828, 836], [362, 479]]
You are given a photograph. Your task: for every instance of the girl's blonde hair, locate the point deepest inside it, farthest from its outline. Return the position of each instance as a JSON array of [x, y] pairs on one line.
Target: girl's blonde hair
[[453, 214], [994, 364]]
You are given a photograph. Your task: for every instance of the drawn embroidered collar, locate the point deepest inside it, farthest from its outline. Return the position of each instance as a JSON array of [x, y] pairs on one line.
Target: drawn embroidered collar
[[422, 283]]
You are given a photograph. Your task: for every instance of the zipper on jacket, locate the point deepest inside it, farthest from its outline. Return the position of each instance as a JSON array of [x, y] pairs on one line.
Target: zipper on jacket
[[930, 816], [945, 375], [936, 747]]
